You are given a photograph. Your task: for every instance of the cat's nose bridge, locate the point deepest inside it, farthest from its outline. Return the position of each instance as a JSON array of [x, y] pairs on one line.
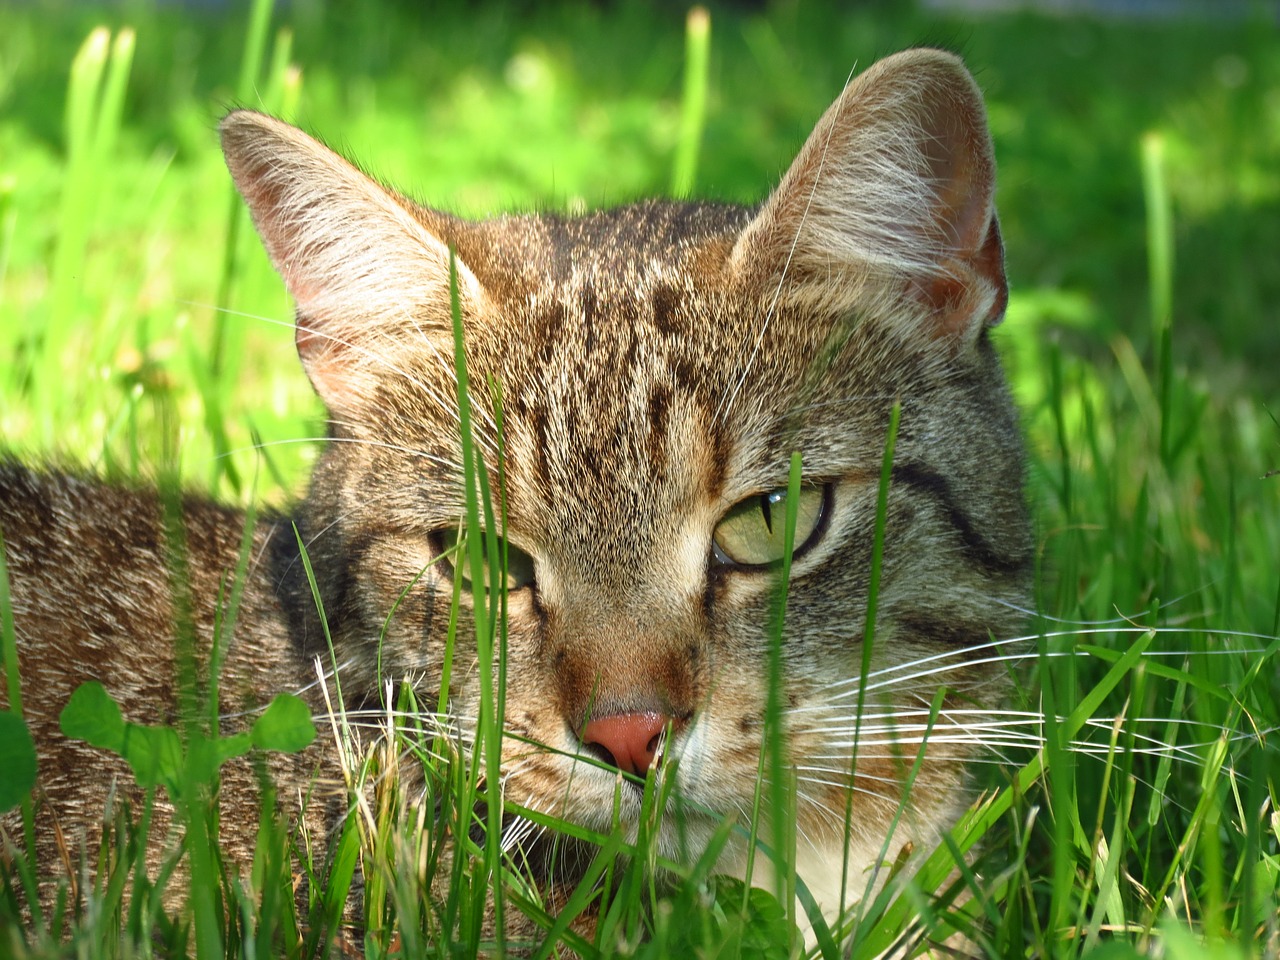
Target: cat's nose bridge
[[619, 665]]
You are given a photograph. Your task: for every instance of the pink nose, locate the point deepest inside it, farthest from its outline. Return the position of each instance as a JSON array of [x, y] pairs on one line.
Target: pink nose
[[630, 739]]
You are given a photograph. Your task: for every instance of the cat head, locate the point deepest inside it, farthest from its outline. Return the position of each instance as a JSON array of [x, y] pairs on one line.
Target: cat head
[[653, 368]]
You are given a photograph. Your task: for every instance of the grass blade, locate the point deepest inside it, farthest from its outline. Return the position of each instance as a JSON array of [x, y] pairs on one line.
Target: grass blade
[[693, 104]]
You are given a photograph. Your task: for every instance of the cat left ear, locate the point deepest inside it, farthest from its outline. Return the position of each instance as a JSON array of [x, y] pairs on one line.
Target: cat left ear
[[364, 266], [893, 192]]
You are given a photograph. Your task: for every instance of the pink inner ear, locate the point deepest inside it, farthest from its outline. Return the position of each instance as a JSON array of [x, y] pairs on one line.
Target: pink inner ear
[[959, 166], [964, 180], [963, 212]]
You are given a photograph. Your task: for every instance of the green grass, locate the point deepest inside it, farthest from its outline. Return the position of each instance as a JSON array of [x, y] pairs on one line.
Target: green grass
[[1140, 201]]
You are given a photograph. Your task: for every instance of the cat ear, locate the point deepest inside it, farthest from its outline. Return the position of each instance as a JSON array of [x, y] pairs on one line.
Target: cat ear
[[893, 191], [366, 272]]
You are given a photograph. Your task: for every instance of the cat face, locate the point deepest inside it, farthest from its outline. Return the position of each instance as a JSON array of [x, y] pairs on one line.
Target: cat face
[[654, 368]]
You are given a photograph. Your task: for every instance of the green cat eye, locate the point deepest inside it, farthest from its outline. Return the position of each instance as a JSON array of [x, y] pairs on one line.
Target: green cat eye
[[519, 564], [752, 533]]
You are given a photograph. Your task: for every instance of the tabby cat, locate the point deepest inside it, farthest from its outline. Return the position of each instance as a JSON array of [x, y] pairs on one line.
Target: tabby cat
[[658, 365]]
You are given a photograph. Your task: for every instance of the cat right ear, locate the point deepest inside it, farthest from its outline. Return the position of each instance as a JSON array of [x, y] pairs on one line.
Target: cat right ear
[[892, 196], [366, 273]]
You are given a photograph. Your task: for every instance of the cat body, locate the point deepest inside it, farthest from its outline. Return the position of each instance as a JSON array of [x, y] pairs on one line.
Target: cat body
[[90, 577], [657, 364]]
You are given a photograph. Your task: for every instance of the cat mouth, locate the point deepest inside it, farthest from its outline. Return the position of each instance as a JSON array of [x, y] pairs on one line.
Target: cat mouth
[[653, 813]]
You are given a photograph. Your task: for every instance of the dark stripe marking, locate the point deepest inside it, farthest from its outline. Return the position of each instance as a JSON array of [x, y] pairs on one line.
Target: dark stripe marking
[[976, 546]]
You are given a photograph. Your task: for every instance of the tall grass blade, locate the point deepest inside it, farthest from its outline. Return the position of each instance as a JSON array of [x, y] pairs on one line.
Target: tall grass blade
[[1160, 276], [91, 126], [110, 111], [26, 865], [693, 104], [194, 801], [222, 465], [868, 632], [487, 586], [781, 788], [8, 637]]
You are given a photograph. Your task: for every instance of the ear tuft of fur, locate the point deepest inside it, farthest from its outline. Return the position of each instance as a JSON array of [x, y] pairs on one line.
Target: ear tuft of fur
[[363, 266], [893, 190]]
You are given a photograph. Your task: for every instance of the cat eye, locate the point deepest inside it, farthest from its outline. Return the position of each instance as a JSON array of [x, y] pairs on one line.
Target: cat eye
[[753, 532], [519, 564]]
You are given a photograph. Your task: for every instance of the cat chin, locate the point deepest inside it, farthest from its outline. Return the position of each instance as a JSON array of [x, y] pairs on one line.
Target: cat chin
[[607, 803], [837, 869]]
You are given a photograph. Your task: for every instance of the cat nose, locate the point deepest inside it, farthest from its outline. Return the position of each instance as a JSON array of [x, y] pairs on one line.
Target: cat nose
[[631, 740]]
